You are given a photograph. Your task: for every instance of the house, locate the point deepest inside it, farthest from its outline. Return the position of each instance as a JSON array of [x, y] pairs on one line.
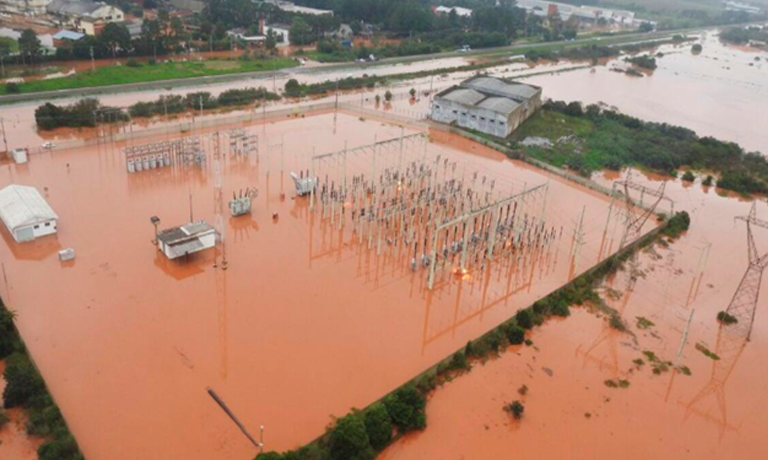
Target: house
[[460, 12], [186, 239], [63, 36], [736, 6], [250, 40], [344, 32], [25, 7], [281, 31], [290, 7], [490, 105], [84, 15], [26, 214]]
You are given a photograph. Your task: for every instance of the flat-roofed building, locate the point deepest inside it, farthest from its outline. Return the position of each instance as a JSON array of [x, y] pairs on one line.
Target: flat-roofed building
[[489, 105], [26, 214]]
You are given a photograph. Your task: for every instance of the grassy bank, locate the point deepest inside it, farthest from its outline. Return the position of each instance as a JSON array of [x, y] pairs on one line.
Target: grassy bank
[[588, 139], [124, 74], [26, 388]]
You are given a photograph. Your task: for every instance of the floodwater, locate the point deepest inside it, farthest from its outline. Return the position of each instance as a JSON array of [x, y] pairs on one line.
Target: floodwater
[[305, 323], [721, 92], [14, 442], [717, 412]]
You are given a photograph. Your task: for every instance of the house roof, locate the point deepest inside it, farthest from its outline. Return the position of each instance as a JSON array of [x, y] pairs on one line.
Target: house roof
[[21, 206], [504, 88], [463, 96], [68, 35], [73, 7], [185, 233], [499, 104]]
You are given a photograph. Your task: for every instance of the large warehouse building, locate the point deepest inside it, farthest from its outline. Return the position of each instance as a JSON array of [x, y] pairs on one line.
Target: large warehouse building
[[489, 105], [25, 213]]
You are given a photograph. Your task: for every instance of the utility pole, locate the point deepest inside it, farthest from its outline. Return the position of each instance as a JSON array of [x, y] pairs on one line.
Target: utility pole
[[93, 62], [201, 105], [5, 141]]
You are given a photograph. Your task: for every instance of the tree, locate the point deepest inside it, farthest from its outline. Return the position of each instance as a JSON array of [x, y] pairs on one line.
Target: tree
[[515, 334], [29, 44], [645, 27], [349, 439], [300, 32], [516, 408], [388, 96], [406, 408], [271, 43], [150, 4], [23, 381], [115, 36], [524, 318], [378, 425]]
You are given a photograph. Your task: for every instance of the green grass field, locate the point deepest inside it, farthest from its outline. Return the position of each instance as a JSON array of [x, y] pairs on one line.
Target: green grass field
[[117, 75]]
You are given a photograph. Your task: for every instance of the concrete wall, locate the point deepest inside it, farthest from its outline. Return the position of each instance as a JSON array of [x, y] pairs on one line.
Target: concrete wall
[[483, 120]]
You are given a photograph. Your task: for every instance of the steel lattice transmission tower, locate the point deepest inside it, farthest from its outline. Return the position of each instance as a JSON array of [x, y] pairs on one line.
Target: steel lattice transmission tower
[[744, 302], [634, 223]]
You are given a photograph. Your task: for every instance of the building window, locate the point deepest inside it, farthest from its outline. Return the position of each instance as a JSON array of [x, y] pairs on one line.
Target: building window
[[437, 106], [463, 114], [455, 112], [36, 227], [47, 224], [474, 116], [482, 118]]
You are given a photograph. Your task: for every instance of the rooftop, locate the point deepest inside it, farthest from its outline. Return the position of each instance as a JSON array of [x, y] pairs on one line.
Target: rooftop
[[21, 206], [185, 233], [73, 7], [504, 88]]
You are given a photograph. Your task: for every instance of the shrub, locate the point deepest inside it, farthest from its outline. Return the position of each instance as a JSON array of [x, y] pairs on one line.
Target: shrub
[[689, 177], [22, 381], [696, 48], [524, 318], [726, 318], [515, 408], [412, 92], [151, 61], [349, 439], [561, 309], [388, 96], [12, 88], [617, 323], [378, 425], [60, 448], [707, 182], [131, 62], [515, 334], [679, 223], [406, 408], [3, 418]]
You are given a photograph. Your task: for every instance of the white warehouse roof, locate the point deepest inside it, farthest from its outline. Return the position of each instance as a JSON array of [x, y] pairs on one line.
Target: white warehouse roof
[[22, 206]]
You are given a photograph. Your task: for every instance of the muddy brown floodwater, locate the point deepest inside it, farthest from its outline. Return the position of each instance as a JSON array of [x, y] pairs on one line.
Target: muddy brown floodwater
[[306, 322]]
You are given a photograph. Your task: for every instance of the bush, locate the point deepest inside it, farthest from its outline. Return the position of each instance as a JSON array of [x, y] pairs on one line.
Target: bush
[[378, 425], [679, 223], [22, 381], [689, 177], [151, 61], [515, 334], [524, 318], [131, 62], [406, 408], [3, 418], [388, 96], [60, 448], [707, 182], [697, 48], [459, 361], [349, 439], [12, 88], [515, 408], [726, 318]]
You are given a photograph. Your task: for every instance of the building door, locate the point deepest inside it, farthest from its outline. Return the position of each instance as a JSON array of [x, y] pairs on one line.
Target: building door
[[25, 234]]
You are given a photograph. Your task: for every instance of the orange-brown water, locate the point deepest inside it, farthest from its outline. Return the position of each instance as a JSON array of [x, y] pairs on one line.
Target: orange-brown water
[[717, 412], [304, 324]]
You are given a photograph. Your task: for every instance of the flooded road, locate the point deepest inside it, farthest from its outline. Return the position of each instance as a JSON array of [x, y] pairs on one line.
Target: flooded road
[[305, 323]]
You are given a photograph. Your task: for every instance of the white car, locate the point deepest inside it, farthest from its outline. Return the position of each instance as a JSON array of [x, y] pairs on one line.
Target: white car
[[48, 145]]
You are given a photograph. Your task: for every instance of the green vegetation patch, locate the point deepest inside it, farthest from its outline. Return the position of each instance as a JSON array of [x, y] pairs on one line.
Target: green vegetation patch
[[516, 409], [118, 75], [589, 139], [702, 348], [643, 323], [726, 318]]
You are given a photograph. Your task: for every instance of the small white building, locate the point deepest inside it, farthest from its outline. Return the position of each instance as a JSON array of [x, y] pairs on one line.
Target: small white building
[[460, 12], [26, 214], [187, 239]]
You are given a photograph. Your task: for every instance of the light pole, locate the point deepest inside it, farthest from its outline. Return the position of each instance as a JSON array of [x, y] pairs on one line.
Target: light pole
[[155, 221]]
